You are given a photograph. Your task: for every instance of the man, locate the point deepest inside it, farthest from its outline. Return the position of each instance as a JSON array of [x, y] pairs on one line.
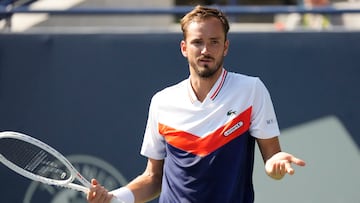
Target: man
[[201, 133]]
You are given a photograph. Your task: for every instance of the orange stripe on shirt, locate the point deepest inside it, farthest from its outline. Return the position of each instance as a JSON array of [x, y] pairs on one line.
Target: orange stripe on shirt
[[203, 146]]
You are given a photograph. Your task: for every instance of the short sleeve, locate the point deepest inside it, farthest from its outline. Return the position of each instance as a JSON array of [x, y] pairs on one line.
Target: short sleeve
[[153, 145], [264, 123]]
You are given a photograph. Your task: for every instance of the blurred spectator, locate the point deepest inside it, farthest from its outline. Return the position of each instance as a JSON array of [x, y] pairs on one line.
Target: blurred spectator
[[308, 21], [315, 21], [4, 18]]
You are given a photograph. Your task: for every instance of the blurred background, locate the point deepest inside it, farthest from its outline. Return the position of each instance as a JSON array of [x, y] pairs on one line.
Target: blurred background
[[163, 15], [79, 75]]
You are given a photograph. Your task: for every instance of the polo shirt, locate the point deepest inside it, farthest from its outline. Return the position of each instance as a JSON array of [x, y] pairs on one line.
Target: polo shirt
[[208, 146]]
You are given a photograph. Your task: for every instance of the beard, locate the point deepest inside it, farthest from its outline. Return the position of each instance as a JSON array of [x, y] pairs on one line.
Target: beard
[[206, 71]]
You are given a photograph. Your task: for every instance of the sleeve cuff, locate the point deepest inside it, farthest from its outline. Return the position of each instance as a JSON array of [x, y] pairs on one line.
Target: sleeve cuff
[[124, 194]]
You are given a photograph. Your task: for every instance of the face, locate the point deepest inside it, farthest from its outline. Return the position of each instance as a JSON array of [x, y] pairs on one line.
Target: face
[[205, 47]]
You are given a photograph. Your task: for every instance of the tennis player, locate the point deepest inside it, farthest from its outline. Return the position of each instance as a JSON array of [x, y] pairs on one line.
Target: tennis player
[[201, 133]]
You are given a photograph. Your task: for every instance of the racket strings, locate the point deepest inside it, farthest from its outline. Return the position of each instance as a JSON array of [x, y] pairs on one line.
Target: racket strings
[[33, 159]]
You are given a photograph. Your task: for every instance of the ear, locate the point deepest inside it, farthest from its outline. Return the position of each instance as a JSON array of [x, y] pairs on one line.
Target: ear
[[183, 48], [226, 47]]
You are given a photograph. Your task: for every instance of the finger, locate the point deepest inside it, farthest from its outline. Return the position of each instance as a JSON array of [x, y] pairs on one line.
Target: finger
[[93, 189], [106, 197], [288, 168], [94, 182], [279, 168], [276, 170], [297, 161], [97, 192], [100, 193], [91, 195], [283, 167]]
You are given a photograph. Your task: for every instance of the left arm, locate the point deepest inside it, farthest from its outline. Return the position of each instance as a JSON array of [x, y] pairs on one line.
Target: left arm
[[277, 163]]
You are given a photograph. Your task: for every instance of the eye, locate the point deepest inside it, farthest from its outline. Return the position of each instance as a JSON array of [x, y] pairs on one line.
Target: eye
[[214, 42], [197, 42]]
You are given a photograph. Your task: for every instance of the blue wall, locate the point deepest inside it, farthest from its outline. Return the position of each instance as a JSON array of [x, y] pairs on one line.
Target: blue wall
[[89, 94]]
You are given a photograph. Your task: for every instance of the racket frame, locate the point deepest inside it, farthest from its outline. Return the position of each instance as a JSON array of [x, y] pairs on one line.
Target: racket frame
[[62, 183]]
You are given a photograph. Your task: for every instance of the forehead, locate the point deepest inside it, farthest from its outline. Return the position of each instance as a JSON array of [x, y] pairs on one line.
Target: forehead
[[205, 28]]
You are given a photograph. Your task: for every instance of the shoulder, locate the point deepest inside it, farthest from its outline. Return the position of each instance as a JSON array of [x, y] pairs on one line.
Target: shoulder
[[172, 91], [242, 79]]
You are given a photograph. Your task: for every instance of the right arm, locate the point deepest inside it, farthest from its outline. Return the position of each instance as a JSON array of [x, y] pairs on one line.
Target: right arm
[[145, 187]]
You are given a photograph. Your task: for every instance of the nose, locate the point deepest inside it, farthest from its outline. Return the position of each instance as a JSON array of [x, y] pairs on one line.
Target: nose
[[204, 50]]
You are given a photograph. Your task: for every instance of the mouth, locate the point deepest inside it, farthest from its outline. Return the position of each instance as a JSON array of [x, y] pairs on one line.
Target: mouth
[[205, 59]]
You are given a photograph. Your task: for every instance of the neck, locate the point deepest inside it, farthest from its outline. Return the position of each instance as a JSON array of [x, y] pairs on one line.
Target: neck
[[202, 86]]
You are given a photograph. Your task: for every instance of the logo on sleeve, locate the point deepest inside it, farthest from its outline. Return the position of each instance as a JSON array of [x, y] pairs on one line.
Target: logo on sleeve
[[270, 121]]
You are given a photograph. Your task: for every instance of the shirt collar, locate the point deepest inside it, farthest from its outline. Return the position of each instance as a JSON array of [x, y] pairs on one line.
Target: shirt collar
[[214, 90]]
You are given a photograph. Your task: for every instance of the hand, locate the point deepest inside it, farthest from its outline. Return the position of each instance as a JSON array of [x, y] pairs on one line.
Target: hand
[[280, 164], [98, 194]]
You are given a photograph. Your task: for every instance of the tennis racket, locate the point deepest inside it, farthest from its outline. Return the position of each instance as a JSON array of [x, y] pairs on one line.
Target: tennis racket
[[38, 161]]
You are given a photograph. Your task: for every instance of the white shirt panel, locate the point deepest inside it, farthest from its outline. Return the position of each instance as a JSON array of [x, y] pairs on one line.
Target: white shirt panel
[[175, 107]]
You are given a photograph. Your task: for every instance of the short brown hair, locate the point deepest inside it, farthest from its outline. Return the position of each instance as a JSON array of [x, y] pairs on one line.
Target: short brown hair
[[200, 13]]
